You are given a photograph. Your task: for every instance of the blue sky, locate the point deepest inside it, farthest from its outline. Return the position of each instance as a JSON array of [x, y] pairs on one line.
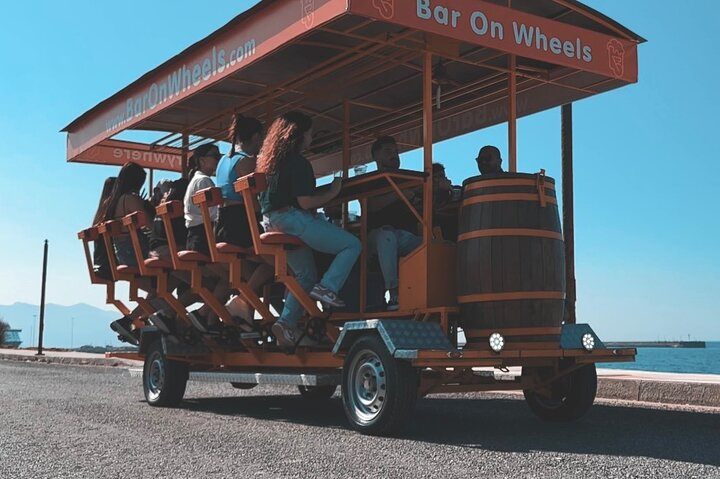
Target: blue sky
[[646, 161]]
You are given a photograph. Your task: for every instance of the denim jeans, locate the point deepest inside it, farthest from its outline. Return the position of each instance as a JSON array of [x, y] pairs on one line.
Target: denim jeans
[[125, 252], [389, 244], [320, 235]]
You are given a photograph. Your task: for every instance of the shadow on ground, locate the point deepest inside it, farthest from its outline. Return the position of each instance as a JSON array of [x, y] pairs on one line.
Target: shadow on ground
[[507, 425]]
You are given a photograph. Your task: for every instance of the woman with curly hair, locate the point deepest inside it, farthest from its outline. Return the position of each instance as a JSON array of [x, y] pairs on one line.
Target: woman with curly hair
[[288, 205]]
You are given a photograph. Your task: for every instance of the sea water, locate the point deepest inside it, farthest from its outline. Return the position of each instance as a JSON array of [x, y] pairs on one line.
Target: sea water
[[674, 360]]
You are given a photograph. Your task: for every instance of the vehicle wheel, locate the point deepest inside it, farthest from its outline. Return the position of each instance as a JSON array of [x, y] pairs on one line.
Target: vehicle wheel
[[317, 393], [164, 381], [378, 391], [571, 396]]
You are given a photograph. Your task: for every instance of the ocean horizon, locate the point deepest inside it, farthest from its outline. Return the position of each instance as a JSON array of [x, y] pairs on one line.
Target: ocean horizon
[[674, 360]]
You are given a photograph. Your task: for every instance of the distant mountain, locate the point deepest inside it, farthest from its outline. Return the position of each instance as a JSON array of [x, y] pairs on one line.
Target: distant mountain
[[65, 326]]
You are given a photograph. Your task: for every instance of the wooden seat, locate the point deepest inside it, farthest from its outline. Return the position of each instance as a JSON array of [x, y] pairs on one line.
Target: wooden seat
[[190, 261], [277, 238], [109, 230], [190, 255], [227, 253], [86, 236], [274, 244], [158, 263], [123, 268], [228, 248]]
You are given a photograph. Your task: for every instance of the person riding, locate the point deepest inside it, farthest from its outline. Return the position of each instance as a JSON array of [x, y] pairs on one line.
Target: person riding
[[489, 160], [123, 200], [288, 206], [101, 266], [390, 223], [205, 160], [207, 157], [232, 226]]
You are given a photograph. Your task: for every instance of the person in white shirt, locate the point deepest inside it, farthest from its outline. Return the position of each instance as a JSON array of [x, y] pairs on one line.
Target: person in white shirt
[[206, 160], [207, 157]]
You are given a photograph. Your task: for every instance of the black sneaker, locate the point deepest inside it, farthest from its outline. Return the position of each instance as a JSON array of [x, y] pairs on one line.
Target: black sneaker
[[125, 330], [326, 296]]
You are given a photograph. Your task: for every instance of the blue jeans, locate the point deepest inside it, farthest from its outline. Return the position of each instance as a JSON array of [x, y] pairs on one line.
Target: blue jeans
[[389, 244], [124, 251], [319, 235]]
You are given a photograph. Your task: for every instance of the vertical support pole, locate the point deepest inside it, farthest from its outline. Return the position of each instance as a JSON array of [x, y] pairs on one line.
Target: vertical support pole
[[346, 154], [185, 156], [568, 213], [427, 145], [150, 183], [512, 115], [363, 254], [41, 329]]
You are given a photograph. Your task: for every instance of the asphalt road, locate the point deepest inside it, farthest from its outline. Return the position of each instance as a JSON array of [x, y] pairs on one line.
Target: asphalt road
[[85, 422]]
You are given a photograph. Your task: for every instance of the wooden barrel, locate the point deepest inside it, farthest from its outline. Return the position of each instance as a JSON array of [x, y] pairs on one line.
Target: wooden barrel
[[511, 261]]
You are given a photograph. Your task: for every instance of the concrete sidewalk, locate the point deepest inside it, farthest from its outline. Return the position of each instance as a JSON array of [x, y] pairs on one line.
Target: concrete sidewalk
[[627, 385]]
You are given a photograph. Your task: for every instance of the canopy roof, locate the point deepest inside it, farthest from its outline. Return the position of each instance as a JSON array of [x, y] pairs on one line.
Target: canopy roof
[[363, 59]]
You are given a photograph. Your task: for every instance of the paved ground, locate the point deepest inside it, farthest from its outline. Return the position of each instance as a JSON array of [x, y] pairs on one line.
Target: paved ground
[[61, 421]]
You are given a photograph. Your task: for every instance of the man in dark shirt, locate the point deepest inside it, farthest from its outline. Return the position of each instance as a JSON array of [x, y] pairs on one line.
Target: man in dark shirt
[[390, 223], [489, 160]]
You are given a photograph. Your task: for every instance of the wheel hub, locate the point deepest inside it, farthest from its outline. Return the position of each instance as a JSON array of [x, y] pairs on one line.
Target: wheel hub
[[156, 377], [368, 386]]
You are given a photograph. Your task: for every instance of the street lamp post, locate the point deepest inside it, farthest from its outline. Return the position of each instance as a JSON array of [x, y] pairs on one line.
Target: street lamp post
[[41, 327]]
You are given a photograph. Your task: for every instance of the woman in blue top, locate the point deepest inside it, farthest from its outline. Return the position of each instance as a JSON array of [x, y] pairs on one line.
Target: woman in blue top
[[246, 138], [232, 226], [289, 205]]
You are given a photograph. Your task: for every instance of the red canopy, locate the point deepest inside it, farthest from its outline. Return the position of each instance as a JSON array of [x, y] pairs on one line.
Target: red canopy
[[333, 58]]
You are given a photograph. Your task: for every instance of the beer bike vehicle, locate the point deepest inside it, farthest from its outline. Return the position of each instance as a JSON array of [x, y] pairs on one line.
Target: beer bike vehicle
[[422, 71]]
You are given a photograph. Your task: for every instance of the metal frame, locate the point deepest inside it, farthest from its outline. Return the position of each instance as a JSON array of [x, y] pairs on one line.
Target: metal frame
[[368, 57]]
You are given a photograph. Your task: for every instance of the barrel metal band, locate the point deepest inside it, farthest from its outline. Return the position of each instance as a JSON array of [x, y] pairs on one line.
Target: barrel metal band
[[506, 332], [505, 197], [512, 296], [496, 183], [489, 233]]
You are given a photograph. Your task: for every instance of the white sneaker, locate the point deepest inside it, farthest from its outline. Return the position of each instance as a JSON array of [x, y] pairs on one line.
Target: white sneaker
[[284, 334]]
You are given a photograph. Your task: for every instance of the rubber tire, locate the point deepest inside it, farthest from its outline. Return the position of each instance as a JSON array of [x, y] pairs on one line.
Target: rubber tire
[[578, 396], [317, 393], [175, 378], [401, 386]]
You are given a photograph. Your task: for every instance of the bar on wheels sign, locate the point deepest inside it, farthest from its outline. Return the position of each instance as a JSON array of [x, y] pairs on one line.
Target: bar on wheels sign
[[511, 31]]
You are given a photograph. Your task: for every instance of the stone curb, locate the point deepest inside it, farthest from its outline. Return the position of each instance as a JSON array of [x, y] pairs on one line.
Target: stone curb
[[105, 362], [664, 392]]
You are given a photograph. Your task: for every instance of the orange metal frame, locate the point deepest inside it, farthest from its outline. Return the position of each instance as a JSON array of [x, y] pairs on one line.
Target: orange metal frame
[[416, 41]]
